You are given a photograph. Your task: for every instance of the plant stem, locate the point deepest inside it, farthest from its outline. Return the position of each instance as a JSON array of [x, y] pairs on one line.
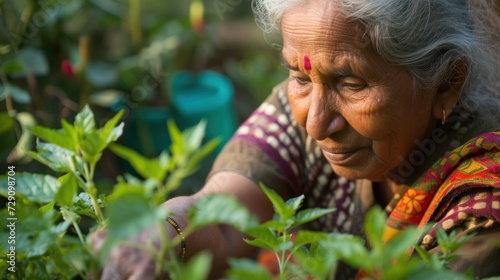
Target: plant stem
[[80, 273], [291, 254], [93, 198], [163, 250], [74, 223], [83, 52], [283, 255], [83, 185], [135, 22], [8, 98], [91, 190], [78, 232], [175, 265]]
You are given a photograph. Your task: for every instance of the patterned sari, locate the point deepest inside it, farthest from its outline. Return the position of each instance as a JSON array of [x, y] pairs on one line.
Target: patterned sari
[[475, 164]]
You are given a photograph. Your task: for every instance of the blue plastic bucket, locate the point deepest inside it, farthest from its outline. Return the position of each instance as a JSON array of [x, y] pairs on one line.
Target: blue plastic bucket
[[205, 95]]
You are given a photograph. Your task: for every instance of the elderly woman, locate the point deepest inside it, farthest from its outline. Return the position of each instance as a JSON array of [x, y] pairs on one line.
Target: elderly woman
[[390, 102]]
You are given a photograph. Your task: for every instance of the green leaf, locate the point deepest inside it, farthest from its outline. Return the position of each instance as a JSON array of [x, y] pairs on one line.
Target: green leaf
[[18, 94], [221, 209], [305, 237], [259, 243], [143, 214], [374, 228], [442, 238], [112, 136], [5, 49], [106, 98], [401, 243], [47, 207], [284, 238], [26, 120], [400, 268], [316, 263], [34, 62], [395, 252], [8, 138], [278, 203], [35, 231], [201, 153], [84, 120], [70, 217], [128, 180], [66, 194], [61, 138], [428, 274], [147, 168], [83, 206], [450, 243], [295, 203], [311, 214], [12, 67], [68, 258], [424, 254], [291, 207], [101, 74], [285, 246], [178, 145], [459, 242], [91, 146], [245, 269], [263, 238], [193, 136], [92, 141], [35, 187], [55, 157], [70, 132], [182, 171], [274, 225], [198, 267], [174, 181], [349, 249], [110, 131]]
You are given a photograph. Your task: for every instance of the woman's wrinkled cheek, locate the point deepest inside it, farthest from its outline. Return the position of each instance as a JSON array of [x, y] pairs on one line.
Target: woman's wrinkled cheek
[[299, 108], [369, 121]]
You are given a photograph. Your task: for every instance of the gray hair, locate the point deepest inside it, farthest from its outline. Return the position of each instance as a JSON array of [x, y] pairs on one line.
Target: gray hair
[[427, 37]]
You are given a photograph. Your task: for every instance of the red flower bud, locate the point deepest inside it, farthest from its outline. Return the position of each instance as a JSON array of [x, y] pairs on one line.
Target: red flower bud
[[67, 68]]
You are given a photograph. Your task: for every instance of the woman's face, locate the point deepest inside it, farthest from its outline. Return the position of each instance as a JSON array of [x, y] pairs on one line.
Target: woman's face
[[365, 113]]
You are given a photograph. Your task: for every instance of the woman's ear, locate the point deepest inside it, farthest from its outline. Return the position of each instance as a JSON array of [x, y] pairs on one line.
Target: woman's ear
[[449, 90]]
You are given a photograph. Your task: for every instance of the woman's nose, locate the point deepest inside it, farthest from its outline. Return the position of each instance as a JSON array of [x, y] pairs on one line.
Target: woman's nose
[[323, 117]]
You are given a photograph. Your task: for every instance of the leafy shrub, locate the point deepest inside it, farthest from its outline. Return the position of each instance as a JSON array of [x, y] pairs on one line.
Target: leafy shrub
[[51, 241]]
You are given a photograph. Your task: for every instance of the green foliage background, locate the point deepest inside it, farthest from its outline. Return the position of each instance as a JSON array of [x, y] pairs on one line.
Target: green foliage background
[[58, 55]]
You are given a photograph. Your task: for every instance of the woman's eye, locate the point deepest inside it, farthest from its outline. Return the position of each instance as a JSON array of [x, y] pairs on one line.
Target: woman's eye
[[353, 84], [355, 87], [301, 80]]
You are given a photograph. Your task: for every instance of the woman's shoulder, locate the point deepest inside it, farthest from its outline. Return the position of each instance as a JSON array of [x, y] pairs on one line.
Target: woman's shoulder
[[476, 212]]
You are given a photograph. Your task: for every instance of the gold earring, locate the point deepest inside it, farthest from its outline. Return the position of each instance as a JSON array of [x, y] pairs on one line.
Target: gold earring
[[443, 119]]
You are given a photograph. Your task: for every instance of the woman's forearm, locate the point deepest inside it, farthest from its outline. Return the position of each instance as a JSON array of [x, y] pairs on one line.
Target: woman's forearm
[[222, 241]]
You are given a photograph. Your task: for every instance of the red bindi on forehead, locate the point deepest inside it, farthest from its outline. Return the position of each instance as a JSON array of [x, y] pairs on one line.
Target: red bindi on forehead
[[307, 63]]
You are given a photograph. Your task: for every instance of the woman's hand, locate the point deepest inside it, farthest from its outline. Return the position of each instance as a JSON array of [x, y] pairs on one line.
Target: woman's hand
[[224, 242], [126, 261]]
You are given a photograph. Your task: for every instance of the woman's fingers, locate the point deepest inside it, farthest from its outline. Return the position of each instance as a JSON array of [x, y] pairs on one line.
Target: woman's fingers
[[145, 270], [126, 261], [97, 240]]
